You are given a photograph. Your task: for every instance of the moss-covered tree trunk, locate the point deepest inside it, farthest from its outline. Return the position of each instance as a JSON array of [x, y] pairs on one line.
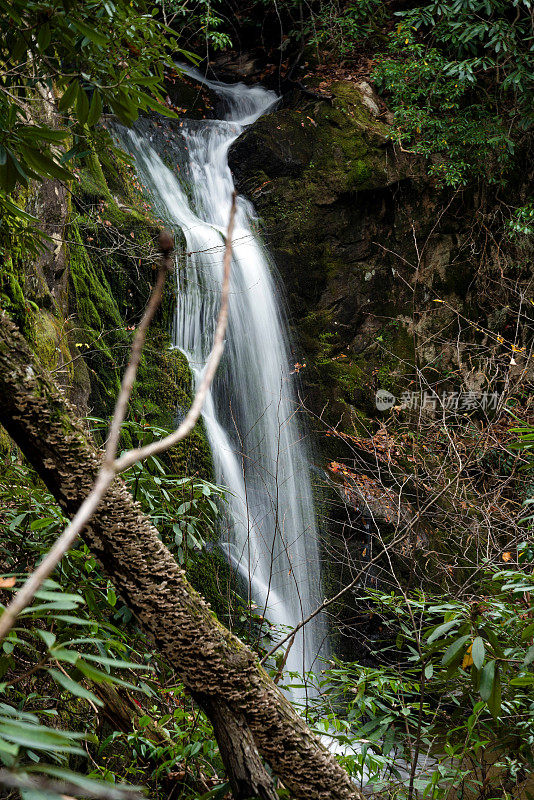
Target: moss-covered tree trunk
[[249, 713]]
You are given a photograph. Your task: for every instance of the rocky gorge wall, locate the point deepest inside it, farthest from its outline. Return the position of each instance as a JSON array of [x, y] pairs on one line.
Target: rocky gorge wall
[[393, 283], [384, 271]]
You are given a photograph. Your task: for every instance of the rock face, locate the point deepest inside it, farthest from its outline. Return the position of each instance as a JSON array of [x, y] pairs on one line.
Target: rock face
[[365, 245]]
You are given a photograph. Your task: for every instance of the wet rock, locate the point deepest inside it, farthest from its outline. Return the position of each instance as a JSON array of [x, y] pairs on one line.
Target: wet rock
[[353, 224]]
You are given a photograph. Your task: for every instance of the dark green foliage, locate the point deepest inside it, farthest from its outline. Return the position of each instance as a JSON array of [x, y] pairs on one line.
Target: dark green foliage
[[457, 75], [459, 681], [199, 19], [450, 101], [99, 55], [182, 506], [78, 635]]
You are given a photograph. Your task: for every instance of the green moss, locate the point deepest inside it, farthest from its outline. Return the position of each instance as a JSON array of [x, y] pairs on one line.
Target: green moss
[[348, 99], [110, 291], [211, 576], [94, 168], [360, 175], [110, 261], [162, 395], [12, 294], [47, 338], [95, 305], [6, 443], [396, 357]]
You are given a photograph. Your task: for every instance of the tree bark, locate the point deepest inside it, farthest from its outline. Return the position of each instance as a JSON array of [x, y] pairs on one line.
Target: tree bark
[[244, 767], [219, 671]]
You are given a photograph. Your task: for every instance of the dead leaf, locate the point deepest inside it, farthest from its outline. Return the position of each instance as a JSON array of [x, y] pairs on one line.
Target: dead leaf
[[468, 659]]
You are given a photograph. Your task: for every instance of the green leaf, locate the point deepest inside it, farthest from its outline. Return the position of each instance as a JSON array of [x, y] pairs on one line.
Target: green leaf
[[8, 711], [44, 164], [454, 649], [478, 652], [441, 629], [10, 749], [82, 105], [38, 737], [74, 620], [47, 636], [45, 134], [39, 524], [48, 594], [57, 605], [525, 680], [62, 654], [95, 110], [102, 677], [68, 98], [124, 108], [73, 687], [11, 172], [529, 658], [20, 48], [44, 37], [87, 784], [94, 36], [429, 671], [487, 679], [38, 794], [492, 638], [115, 662], [3, 155], [161, 108]]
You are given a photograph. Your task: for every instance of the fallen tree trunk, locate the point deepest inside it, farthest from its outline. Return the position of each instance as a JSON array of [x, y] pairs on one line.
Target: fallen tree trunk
[[249, 713]]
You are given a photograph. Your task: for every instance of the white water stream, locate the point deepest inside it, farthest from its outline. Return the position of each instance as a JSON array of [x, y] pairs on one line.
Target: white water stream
[[251, 415]]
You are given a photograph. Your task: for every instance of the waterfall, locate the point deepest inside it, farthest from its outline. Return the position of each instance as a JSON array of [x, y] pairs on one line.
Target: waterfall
[[251, 415]]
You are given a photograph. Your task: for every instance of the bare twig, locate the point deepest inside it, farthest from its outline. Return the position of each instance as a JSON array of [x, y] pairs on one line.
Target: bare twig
[[403, 534], [111, 466]]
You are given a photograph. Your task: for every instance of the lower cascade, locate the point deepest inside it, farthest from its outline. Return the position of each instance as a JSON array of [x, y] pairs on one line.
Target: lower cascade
[[251, 414]]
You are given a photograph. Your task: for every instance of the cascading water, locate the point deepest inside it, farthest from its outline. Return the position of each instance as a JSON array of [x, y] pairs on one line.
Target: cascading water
[[251, 414]]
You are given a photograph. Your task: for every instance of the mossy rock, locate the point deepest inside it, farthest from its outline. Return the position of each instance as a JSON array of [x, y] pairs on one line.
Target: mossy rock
[[344, 214], [211, 575], [112, 259], [48, 340], [12, 294]]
